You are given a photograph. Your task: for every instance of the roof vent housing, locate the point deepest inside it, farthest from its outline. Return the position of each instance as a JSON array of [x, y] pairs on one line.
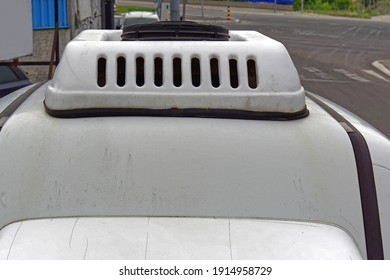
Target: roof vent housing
[[247, 76]]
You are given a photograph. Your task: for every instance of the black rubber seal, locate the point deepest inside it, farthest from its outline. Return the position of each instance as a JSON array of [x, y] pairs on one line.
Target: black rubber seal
[[175, 112], [175, 31], [368, 195], [11, 108]]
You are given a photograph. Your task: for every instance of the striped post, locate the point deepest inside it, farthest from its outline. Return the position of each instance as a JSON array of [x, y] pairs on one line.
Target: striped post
[[228, 12]]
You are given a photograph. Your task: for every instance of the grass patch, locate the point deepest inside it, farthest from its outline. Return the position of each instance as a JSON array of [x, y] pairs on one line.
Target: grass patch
[[125, 8], [352, 14], [346, 8]]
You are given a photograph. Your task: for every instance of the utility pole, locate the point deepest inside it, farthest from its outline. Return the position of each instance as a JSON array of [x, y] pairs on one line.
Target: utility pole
[[175, 10], [184, 10], [159, 6]]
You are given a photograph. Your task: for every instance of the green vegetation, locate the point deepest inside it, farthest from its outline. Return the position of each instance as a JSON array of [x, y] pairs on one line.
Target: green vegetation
[[351, 8], [125, 9]]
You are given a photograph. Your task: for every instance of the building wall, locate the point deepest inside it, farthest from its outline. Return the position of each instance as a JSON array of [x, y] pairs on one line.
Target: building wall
[[86, 14], [15, 19], [81, 15], [43, 42], [43, 13]]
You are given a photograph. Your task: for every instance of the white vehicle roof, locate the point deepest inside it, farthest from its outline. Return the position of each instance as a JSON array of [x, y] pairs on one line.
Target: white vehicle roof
[[159, 238], [139, 17], [140, 14], [111, 136]]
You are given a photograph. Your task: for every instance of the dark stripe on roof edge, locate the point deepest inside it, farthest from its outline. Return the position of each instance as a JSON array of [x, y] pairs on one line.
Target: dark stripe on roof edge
[[11, 108], [368, 196]]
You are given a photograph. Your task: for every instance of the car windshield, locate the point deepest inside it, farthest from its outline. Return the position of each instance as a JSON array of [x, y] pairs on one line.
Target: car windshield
[[117, 20], [132, 21], [7, 75]]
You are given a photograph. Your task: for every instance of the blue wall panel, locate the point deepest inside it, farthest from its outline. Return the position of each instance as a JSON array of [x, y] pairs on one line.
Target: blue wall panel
[[43, 14]]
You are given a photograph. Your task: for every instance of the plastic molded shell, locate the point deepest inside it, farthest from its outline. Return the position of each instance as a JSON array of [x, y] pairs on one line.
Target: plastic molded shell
[[251, 72]]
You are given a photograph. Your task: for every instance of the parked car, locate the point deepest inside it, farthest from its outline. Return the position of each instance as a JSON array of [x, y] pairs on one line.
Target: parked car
[[11, 79], [139, 17], [206, 147], [118, 21]]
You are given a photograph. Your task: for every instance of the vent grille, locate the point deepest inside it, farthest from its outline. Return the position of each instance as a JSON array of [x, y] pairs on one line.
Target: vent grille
[[194, 69]]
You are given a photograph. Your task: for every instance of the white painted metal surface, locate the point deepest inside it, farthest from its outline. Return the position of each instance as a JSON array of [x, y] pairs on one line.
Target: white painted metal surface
[[174, 238], [15, 29], [130, 166], [278, 88]]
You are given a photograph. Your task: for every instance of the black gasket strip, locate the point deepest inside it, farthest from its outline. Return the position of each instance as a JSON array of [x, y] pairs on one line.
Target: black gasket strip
[[175, 112], [11, 108], [368, 195]]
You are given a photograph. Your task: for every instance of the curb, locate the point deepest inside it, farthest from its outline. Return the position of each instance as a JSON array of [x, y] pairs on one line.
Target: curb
[[381, 66]]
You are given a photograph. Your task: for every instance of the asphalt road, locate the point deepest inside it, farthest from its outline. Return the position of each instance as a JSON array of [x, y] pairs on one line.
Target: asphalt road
[[333, 55]]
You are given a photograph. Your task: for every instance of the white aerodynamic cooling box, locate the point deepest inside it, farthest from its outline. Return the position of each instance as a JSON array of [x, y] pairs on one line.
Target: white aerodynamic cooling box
[[250, 74]]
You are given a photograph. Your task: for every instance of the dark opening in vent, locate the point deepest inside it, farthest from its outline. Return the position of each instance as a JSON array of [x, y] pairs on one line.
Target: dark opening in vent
[[158, 71], [101, 72], [140, 75], [177, 72], [252, 76], [233, 73], [121, 71], [214, 68], [195, 72]]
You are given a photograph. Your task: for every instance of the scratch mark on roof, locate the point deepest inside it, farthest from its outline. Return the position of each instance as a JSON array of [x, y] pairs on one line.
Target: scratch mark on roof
[[230, 243], [71, 234], [16, 233], [147, 239], [86, 248]]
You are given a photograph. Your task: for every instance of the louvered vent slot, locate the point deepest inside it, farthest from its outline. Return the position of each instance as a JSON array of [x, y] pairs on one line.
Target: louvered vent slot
[[195, 72], [140, 71], [252, 75], [233, 73], [121, 71], [158, 71], [101, 72], [177, 79], [214, 69]]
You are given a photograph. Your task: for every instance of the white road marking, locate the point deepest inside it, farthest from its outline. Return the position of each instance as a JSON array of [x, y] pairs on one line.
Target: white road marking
[[381, 67], [346, 31], [336, 49], [324, 81], [375, 74], [318, 73], [352, 76], [313, 33], [369, 34], [311, 69]]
